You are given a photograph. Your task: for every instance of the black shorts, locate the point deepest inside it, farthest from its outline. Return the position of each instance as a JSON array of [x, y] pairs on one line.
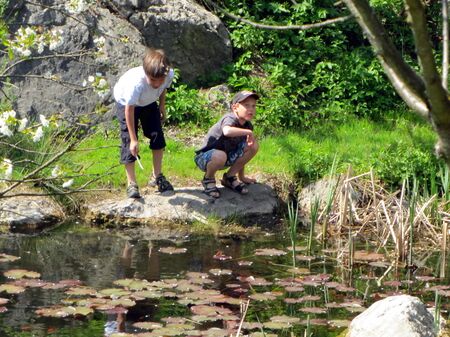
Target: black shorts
[[150, 120]]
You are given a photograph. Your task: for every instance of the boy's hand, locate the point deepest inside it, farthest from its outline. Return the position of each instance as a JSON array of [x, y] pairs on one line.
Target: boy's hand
[[250, 139], [134, 148]]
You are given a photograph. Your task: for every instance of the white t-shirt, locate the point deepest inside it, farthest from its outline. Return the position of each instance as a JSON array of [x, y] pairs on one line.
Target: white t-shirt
[[133, 89]]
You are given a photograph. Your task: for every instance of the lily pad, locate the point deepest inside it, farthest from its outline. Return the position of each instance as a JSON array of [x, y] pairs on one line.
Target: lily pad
[[11, 288], [277, 325], [81, 291], [216, 332], [339, 323], [172, 250], [269, 252], [220, 272], [64, 311], [132, 284], [114, 292], [219, 255], [314, 310], [285, 319], [21, 273], [361, 255], [244, 263], [263, 297], [8, 258], [147, 325]]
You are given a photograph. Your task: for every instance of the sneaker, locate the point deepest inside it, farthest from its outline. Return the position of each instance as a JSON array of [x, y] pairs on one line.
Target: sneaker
[[133, 191], [162, 183]]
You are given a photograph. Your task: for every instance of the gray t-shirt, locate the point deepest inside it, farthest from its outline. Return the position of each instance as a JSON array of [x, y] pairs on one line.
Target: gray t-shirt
[[215, 138]]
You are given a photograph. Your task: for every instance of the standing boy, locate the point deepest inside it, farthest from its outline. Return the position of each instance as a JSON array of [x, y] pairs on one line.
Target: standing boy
[[230, 143], [136, 94]]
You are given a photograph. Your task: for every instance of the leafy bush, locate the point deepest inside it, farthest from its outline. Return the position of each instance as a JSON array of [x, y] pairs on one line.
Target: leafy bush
[[186, 105]]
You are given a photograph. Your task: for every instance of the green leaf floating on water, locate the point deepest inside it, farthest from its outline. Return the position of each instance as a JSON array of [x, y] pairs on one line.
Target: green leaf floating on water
[[8, 258], [64, 311], [269, 252], [81, 291], [114, 292], [11, 288], [21, 273], [133, 284], [147, 325], [172, 250]]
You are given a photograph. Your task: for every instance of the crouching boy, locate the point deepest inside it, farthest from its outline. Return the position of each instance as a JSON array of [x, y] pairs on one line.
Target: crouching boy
[[230, 143]]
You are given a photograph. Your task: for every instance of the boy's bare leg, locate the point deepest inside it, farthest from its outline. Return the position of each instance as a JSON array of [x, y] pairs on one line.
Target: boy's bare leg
[[217, 162], [131, 174], [244, 178], [239, 165], [157, 161]]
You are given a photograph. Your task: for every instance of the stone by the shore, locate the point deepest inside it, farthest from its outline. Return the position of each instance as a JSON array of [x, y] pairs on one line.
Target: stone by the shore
[[187, 204], [27, 214], [394, 316]]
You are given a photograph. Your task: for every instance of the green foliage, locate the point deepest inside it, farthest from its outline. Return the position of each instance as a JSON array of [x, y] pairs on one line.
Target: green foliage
[[305, 77], [3, 6], [187, 105]]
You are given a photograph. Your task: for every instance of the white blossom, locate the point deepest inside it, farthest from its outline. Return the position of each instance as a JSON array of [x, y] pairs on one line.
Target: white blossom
[[84, 83], [91, 78], [8, 168], [4, 129], [23, 124], [67, 183], [38, 135], [44, 121], [56, 171]]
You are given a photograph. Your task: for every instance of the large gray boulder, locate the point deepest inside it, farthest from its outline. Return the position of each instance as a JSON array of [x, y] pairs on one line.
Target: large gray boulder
[[28, 214], [195, 40], [395, 316], [187, 204]]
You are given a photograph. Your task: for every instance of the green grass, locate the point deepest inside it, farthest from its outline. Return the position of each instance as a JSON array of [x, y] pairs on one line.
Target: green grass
[[304, 155]]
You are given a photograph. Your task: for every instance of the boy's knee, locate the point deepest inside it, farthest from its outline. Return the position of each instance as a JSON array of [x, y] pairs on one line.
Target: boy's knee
[[254, 147], [219, 157]]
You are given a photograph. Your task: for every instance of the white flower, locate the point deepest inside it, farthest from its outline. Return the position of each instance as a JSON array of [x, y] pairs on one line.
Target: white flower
[[4, 129], [91, 78], [23, 124], [56, 171], [38, 135], [84, 83], [10, 113], [98, 74], [26, 52], [67, 183], [7, 164], [45, 122]]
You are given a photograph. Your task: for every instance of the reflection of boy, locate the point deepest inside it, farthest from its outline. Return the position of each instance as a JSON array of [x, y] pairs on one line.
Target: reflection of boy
[[136, 94], [230, 143]]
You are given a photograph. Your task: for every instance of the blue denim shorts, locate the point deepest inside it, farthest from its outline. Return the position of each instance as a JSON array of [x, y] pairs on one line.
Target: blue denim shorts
[[203, 158]]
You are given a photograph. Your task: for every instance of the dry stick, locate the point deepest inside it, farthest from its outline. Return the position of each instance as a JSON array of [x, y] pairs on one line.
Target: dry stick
[[40, 168], [245, 305], [443, 249]]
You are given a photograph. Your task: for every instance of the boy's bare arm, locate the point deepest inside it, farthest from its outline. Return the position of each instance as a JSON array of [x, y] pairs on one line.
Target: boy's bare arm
[[231, 131], [129, 118], [162, 105]]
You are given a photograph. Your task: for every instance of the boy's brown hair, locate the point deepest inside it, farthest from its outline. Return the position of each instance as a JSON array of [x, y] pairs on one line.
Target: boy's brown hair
[[155, 63]]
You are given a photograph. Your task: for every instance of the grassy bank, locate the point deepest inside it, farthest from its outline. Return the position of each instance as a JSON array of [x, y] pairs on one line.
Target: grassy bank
[[396, 148]]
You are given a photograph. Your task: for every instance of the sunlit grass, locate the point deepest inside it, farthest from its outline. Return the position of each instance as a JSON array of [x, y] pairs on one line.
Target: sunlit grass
[[293, 155]]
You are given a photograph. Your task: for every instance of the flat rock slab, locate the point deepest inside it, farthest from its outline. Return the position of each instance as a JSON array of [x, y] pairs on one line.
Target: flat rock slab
[[187, 204], [27, 214]]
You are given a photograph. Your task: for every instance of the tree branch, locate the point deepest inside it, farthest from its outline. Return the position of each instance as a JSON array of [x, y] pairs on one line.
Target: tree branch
[[408, 84], [277, 27]]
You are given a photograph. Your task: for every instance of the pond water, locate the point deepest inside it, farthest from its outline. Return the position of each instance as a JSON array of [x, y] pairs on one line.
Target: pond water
[[200, 278]]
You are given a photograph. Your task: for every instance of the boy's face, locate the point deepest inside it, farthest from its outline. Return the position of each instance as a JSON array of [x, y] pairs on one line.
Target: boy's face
[[246, 109], [155, 82]]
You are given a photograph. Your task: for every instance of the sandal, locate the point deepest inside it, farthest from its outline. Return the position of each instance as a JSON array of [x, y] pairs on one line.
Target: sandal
[[233, 184], [210, 188]]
